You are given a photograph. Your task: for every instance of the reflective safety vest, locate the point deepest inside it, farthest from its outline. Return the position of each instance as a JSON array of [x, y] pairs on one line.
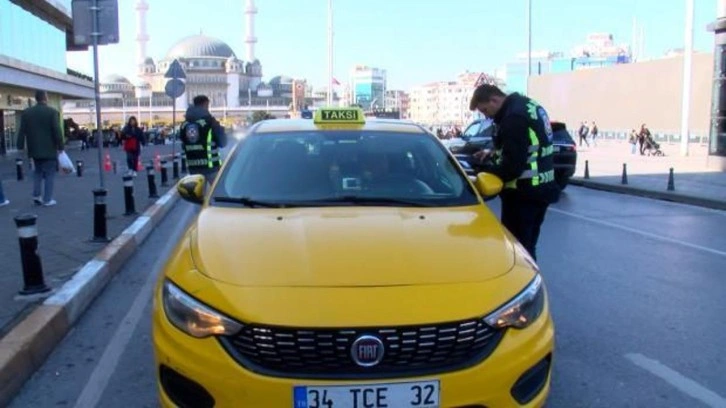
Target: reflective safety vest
[[200, 148], [540, 169]]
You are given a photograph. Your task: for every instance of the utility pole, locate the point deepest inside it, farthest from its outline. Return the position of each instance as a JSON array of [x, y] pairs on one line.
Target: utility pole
[[330, 52], [529, 42], [687, 74]]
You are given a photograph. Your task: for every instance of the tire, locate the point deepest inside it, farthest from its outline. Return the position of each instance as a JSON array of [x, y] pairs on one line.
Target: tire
[[562, 181]]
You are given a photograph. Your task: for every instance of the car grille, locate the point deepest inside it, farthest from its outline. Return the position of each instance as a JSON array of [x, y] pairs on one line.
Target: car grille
[[326, 353]]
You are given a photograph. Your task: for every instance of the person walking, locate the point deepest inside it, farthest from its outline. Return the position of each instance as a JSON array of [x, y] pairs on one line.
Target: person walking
[[522, 159], [633, 141], [594, 131], [3, 201], [132, 136], [202, 136], [642, 137], [583, 132], [40, 129]]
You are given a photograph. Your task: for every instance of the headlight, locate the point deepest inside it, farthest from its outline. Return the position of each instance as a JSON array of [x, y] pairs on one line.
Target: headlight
[[521, 311], [194, 318]]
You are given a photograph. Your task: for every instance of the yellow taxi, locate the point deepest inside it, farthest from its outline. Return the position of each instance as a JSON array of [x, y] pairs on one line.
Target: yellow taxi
[[347, 262]]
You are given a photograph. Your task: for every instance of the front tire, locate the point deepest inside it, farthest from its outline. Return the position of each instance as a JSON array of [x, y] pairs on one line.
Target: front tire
[[562, 181]]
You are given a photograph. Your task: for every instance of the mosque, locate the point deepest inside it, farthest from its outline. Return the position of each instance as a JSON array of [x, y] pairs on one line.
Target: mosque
[[212, 68]]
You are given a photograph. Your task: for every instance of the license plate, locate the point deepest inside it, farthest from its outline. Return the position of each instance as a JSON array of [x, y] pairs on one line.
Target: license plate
[[423, 394]]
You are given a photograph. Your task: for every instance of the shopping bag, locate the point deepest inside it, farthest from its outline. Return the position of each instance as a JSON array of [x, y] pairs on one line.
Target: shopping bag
[[65, 164]]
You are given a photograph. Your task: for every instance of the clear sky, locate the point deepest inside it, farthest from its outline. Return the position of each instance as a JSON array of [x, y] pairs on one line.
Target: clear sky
[[417, 41]]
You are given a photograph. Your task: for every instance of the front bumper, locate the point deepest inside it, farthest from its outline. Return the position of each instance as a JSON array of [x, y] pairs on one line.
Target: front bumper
[[488, 384]]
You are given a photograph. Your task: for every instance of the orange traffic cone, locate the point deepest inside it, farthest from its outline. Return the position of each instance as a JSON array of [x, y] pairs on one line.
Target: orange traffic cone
[[107, 163]]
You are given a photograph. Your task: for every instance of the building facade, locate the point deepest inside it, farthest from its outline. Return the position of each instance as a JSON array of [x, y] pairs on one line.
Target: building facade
[[367, 87], [398, 100], [34, 37], [446, 103], [599, 50], [717, 114]]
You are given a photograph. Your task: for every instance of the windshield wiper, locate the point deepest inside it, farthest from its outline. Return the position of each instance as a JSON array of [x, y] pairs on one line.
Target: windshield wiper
[[354, 199], [249, 202]]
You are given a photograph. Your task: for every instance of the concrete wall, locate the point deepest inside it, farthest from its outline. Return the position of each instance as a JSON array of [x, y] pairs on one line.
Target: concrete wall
[[627, 95]]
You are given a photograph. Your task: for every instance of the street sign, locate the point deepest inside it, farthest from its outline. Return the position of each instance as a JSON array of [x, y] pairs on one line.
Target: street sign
[[175, 88], [83, 16], [175, 71]]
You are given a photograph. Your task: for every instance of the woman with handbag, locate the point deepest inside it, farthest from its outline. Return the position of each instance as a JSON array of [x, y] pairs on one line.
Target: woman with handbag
[[132, 135]]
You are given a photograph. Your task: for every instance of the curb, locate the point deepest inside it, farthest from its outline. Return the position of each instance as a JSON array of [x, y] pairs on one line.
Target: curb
[[648, 193], [24, 349]]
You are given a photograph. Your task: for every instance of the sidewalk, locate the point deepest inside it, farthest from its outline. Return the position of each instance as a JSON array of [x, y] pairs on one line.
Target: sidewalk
[[694, 182], [64, 230]]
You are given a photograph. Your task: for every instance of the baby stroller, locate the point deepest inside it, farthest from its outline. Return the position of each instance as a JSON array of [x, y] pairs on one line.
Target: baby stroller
[[651, 147]]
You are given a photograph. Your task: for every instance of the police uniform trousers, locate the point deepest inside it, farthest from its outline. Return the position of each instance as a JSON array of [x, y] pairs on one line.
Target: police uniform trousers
[[523, 216]]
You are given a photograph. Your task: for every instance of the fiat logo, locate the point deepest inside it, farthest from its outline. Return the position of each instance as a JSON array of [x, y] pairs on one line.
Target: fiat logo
[[367, 351]]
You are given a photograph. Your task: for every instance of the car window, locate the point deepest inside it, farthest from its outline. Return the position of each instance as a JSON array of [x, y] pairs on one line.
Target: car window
[[562, 137], [321, 166], [472, 130]]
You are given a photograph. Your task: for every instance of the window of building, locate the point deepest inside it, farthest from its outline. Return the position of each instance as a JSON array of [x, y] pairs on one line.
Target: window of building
[[31, 39]]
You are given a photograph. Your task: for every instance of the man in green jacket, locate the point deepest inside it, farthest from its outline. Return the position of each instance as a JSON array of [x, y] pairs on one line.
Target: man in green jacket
[[40, 127]]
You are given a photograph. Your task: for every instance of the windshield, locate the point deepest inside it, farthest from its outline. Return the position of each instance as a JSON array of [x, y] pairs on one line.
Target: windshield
[[562, 137], [342, 168]]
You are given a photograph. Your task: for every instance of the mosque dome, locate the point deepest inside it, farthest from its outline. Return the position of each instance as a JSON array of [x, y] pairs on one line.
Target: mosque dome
[[200, 46], [116, 79]]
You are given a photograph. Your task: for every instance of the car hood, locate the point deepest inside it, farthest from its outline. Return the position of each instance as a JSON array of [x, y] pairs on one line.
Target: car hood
[[350, 246]]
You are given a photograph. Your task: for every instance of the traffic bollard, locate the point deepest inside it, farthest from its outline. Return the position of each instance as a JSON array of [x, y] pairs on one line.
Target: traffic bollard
[[129, 202], [183, 163], [79, 168], [33, 282], [19, 168], [164, 175], [175, 168], [624, 178], [671, 181], [152, 183], [100, 233], [587, 169]]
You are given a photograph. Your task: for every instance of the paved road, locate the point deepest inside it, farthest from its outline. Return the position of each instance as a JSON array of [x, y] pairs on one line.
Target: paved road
[[636, 288]]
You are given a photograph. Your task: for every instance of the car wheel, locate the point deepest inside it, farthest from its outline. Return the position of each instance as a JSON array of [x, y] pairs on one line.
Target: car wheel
[[562, 181]]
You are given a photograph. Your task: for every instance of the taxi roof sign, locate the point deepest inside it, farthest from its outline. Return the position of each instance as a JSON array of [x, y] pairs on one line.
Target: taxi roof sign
[[332, 116]]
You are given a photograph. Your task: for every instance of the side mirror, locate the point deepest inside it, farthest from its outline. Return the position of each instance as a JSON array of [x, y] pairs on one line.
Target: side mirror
[[488, 184], [191, 188]]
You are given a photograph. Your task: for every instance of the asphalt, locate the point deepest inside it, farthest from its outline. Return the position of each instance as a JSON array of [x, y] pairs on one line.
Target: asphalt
[[636, 289]]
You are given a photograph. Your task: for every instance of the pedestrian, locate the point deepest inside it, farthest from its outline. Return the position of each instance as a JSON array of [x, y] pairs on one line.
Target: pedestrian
[[583, 133], [643, 135], [40, 129], [522, 159], [633, 141], [594, 132], [202, 136], [132, 135], [3, 201]]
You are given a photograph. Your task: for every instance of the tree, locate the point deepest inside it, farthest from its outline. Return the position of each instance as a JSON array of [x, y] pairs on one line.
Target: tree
[[259, 116]]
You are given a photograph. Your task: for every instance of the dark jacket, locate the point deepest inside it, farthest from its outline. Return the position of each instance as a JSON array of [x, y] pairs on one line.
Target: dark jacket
[[132, 138], [40, 126], [514, 121], [195, 113]]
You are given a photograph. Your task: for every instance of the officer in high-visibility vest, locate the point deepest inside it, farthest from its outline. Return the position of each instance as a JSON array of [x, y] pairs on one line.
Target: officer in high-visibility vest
[[522, 159], [202, 137]]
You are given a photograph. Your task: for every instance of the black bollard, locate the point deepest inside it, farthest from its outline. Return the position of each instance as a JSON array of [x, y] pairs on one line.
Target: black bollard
[[587, 169], [175, 168], [79, 168], [671, 181], [624, 178], [164, 175], [100, 233], [19, 168], [183, 163], [129, 202], [152, 183], [33, 282]]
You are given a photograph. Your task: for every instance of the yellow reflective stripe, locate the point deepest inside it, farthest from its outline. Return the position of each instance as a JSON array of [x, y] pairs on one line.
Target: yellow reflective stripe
[[533, 172], [511, 184], [546, 151], [547, 176]]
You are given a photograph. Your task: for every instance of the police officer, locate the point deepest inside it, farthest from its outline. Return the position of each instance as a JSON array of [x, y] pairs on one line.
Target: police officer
[[202, 137], [522, 159]]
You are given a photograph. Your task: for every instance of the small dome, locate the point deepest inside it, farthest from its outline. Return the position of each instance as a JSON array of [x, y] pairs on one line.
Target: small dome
[[115, 79], [149, 61], [200, 46]]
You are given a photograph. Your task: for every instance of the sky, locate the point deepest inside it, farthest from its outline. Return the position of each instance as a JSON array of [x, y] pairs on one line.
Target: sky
[[416, 41]]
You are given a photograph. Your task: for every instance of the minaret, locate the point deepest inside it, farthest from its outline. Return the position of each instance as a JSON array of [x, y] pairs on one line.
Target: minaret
[[250, 39], [142, 37]]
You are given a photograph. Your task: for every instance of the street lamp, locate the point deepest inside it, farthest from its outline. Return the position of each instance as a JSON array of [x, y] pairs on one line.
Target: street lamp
[[529, 42], [687, 73]]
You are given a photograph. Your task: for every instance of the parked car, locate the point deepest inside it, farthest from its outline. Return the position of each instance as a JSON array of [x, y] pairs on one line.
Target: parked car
[[565, 154]]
